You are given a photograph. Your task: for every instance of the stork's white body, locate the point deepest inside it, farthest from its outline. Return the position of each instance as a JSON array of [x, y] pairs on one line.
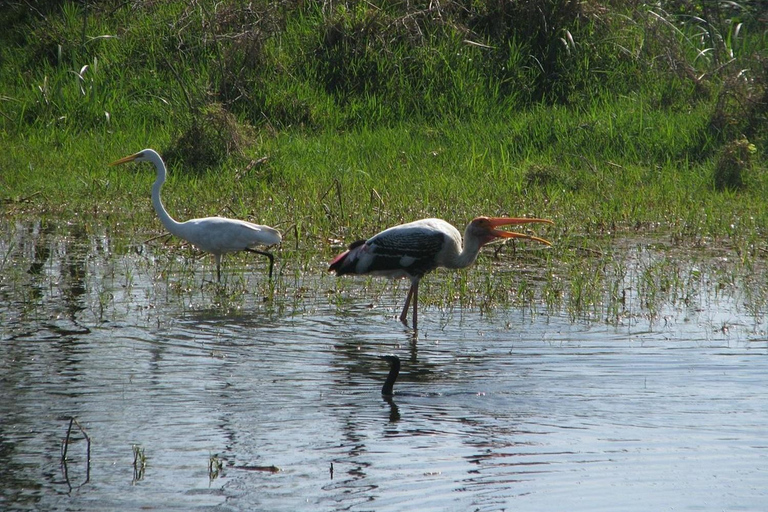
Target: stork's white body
[[410, 250]]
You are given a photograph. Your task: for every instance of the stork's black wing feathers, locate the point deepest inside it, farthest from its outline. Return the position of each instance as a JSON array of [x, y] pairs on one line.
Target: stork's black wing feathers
[[355, 244], [413, 251]]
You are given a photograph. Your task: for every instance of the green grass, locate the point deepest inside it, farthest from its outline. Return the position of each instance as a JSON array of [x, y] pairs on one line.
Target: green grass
[[344, 185]]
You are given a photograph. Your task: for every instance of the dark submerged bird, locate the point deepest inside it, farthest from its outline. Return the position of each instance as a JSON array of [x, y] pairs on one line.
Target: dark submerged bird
[[216, 235], [417, 248], [394, 371]]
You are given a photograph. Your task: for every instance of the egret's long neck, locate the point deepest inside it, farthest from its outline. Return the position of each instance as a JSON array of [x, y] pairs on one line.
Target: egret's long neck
[[168, 221]]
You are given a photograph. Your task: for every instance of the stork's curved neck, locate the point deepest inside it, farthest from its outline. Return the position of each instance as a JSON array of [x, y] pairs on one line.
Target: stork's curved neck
[[169, 222], [469, 251]]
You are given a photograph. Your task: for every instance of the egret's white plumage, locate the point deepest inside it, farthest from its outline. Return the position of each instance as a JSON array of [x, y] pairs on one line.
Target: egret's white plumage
[[415, 249], [216, 235]]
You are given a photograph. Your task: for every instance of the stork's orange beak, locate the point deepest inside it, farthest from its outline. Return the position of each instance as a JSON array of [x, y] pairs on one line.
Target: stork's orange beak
[[508, 221], [129, 158]]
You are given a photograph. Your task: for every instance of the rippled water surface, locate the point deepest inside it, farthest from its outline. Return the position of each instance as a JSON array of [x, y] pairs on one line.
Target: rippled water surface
[[244, 404]]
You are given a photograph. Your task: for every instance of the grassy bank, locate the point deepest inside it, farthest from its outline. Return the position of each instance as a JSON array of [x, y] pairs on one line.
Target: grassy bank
[[559, 164]]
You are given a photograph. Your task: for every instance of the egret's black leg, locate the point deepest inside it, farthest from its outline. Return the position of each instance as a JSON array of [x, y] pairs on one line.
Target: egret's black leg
[[268, 255]]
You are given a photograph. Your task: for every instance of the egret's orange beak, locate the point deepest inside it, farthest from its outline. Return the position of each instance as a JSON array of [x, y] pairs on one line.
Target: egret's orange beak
[[507, 221], [126, 159]]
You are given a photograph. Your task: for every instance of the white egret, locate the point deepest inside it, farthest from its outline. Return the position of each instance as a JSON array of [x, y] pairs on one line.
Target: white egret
[[216, 235]]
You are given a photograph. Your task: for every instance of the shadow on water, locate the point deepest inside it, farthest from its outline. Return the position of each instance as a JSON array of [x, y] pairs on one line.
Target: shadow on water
[[198, 397]]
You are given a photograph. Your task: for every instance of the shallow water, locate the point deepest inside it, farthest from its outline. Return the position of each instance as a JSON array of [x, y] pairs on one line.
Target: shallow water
[[524, 408]]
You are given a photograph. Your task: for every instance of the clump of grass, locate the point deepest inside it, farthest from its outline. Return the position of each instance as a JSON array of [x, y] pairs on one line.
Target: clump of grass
[[548, 175], [736, 159], [585, 292], [214, 135], [215, 467]]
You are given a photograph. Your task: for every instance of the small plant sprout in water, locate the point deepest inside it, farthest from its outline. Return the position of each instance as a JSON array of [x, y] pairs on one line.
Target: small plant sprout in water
[[65, 450], [139, 463], [215, 467]]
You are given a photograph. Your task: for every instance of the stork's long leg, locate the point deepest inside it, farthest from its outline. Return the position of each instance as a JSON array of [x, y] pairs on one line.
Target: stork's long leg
[[404, 314], [415, 305], [268, 255], [413, 293]]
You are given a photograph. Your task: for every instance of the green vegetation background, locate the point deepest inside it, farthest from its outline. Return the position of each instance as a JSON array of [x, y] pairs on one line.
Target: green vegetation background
[[331, 120]]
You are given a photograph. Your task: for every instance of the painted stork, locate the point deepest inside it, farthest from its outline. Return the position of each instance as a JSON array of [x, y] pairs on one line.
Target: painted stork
[[216, 235], [415, 249]]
